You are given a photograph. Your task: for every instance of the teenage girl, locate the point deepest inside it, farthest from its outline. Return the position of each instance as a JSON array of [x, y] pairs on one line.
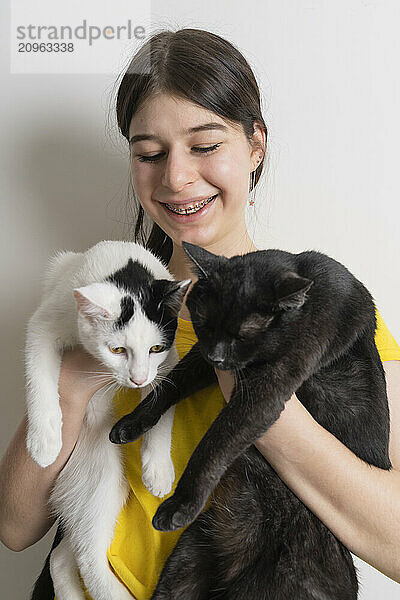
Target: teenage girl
[[189, 107]]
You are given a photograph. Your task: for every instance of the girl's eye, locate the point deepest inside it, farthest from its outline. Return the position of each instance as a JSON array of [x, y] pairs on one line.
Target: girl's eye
[[157, 157], [157, 348], [116, 350]]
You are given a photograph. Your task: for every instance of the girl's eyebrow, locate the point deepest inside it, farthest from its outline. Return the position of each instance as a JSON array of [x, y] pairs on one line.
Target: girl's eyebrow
[[204, 127]]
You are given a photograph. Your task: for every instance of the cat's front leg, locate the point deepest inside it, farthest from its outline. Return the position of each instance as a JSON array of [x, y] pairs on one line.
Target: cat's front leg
[[253, 408], [158, 472], [43, 360], [145, 416], [180, 384]]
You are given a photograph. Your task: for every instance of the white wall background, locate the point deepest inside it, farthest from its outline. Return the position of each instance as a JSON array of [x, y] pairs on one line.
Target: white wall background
[[329, 71]]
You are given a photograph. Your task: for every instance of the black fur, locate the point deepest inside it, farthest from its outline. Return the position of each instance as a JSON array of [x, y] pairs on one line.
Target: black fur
[[132, 277], [283, 323], [154, 295]]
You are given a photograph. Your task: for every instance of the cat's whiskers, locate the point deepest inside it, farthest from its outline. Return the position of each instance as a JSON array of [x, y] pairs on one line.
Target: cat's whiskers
[[162, 315], [99, 377], [106, 388], [165, 379], [167, 369], [165, 325], [154, 391], [178, 366], [239, 381], [153, 387], [160, 378], [93, 372], [107, 384], [89, 371]]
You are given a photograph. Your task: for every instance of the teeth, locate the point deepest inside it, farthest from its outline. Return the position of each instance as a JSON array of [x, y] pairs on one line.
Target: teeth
[[192, 208]]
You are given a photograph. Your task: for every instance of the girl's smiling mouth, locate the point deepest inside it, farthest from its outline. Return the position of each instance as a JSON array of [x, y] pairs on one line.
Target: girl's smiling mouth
[[190, 207], [187, 212]]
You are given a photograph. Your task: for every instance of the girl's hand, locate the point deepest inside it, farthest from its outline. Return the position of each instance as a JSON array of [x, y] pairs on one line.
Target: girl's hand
[[226, 382]]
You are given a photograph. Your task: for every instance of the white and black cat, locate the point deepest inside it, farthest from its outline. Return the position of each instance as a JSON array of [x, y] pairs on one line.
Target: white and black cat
[[283, 323], [121, 304]]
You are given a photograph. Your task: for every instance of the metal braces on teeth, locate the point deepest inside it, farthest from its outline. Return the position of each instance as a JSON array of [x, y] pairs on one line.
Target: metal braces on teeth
[[192, 209]]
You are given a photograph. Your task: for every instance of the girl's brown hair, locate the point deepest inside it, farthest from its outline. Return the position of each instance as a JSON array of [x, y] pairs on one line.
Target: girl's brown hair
[[198, 66]]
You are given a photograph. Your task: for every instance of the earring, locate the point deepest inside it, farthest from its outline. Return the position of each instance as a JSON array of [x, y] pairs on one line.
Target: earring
[[253, 185], [252, 188]]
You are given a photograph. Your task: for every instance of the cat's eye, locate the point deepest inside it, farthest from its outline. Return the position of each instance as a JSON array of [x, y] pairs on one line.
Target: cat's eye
[[117, 350], [157, 348]]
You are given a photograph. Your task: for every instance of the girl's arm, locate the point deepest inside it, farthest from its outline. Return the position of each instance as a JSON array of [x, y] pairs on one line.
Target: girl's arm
[[358, 502], [24, 486]]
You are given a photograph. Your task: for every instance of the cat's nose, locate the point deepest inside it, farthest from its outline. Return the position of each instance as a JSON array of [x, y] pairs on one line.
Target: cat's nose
[[138, 380]]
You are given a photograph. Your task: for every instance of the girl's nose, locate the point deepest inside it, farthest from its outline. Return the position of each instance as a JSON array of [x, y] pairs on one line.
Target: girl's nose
[[178, 172]]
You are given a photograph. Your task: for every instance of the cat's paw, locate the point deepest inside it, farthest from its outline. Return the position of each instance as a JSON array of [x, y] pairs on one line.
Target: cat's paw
[[158, 473], [174, 514], [44, 440], [128, 429]]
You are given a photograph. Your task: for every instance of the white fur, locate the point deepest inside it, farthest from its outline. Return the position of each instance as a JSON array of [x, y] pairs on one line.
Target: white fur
[[91, 489]]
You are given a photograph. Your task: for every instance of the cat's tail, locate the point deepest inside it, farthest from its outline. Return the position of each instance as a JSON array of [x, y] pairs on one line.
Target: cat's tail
[[43, 588]]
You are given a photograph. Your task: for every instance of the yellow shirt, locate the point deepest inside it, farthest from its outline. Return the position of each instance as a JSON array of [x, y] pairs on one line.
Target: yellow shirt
[[138, 552]]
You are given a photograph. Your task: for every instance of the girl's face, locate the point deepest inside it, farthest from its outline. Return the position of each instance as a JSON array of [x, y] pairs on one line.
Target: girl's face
[[190, 170]]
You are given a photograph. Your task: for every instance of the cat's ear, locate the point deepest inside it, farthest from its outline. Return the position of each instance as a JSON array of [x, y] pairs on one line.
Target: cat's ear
[[172, 293], [291, 290], [97, 301], [203, 261]]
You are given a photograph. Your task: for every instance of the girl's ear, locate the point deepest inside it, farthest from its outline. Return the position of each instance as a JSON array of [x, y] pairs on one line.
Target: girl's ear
[[97, 301]]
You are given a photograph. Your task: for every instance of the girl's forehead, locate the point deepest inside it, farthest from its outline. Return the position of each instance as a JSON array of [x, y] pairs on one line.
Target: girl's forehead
[[163, 114]]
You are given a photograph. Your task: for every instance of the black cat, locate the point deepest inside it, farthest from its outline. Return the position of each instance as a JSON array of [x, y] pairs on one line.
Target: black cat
[[283, 323]]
